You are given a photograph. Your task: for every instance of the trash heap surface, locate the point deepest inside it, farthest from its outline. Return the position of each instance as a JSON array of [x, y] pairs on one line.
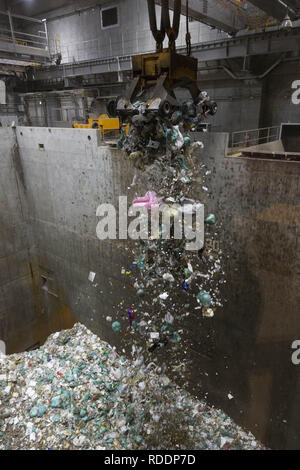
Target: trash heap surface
[[76, 392]]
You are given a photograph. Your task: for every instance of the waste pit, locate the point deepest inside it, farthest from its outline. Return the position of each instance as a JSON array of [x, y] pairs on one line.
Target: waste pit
[[78, 392]]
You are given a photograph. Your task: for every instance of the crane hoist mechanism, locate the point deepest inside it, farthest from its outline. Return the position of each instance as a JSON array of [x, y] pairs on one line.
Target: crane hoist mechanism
[[157, 75]]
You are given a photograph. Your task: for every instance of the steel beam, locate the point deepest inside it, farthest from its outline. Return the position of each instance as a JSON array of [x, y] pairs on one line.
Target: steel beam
[[209, 17], [21, 63], [21, 17], [11, 27], [273, 42], [98, 66], [274, 8], [249, 45], [294, 5], [13, 48]]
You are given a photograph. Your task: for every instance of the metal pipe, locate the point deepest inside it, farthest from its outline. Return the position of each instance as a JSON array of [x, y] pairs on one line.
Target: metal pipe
[[47, 38], [11, 27], [274, 8], [21, 17]]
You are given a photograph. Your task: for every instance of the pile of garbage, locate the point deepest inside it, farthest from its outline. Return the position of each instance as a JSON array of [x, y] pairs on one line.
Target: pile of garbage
[[76, 392]]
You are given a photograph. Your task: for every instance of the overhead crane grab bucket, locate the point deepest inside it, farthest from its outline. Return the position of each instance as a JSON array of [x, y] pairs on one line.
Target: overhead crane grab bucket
[[157, 75]]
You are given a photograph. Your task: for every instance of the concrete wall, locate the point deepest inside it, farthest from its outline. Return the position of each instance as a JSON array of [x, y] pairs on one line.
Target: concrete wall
[[258, 203], [246, 349], [277, 106], [18, 312], [81, 38], [256, 103], [66, 180], [24, 322], [239, 102]]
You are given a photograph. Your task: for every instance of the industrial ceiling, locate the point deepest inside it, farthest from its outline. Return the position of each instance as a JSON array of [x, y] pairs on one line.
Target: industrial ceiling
[[226, 15]]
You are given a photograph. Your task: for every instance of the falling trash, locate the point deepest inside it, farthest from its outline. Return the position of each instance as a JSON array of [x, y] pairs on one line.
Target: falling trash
[[169, 318], [154, 335], [141, 292], [92, 276], [185, 286], [210, 219], [149, 200], [208, 312], [176, 337], [168, 277], [164, 296], [204, 298], [116, 326], [131, 315]]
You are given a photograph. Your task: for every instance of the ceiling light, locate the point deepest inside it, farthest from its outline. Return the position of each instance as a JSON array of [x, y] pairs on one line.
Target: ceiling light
[[287, 24]]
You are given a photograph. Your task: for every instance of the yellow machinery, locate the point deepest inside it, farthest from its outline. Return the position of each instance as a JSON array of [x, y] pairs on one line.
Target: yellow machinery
[[104, 123]]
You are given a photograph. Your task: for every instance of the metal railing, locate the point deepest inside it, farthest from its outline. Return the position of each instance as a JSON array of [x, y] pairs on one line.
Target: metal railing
[[38, 38], [25, 39], [249, 138]]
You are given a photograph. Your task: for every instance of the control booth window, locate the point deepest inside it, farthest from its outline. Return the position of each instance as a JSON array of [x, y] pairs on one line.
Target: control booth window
[[109, 17]]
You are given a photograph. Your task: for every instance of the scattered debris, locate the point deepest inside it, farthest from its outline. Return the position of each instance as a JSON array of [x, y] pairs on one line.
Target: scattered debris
[[116, 326], [92, 276], [210, 219], [149, 200]]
